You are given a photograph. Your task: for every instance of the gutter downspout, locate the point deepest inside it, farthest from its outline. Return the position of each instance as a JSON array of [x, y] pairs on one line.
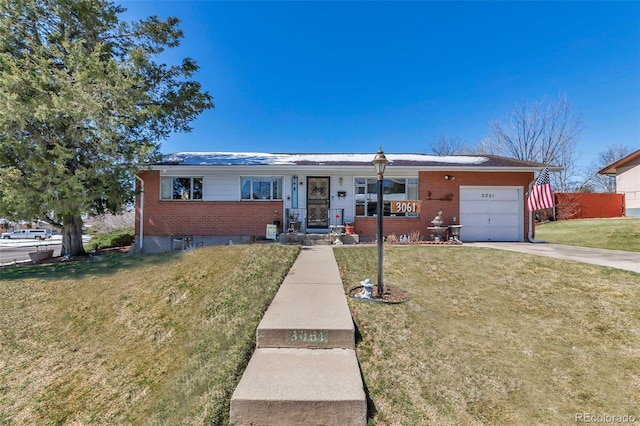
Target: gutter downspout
[[141, 212], [530, 236]]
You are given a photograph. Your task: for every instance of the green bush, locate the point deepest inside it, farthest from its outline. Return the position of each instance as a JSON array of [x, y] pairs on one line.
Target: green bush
[[119, 238]]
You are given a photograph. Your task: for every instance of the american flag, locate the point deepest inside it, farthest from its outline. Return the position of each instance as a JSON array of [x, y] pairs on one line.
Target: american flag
[[541, 196]]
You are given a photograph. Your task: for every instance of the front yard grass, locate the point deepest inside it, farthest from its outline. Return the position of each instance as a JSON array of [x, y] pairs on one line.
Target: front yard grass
[[494, 337], [488, 337], [613, 233], [150, 339]]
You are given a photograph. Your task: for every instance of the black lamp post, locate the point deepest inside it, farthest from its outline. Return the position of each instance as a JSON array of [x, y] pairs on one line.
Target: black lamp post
[[380, 163]]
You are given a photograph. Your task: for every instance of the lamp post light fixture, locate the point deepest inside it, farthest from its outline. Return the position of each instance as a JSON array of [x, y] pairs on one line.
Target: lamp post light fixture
[[380, 163]]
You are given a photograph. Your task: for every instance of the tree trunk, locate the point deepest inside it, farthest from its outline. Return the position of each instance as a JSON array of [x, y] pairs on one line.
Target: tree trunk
[[72, 236]]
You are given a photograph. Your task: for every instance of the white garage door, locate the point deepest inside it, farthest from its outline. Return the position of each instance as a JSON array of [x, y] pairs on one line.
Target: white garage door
[[491, 213]]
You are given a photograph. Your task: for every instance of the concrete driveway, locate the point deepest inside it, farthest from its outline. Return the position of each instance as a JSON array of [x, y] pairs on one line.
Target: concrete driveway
[[618, 259]]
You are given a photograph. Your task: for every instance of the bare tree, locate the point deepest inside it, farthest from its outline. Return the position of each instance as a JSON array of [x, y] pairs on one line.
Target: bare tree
[[453, 145], [111, 222], [488, 147], [604, 183], [543, 132], [446, 145], [567, 179]]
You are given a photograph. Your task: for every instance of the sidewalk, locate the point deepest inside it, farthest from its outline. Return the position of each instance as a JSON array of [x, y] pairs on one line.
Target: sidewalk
[[304, 370], [619, 259]]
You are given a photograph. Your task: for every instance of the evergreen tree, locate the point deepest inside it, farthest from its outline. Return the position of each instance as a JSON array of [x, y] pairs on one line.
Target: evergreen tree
[[84, 105]]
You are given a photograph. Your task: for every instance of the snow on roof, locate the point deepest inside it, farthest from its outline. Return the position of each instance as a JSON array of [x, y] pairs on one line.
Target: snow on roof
[[265, 159]]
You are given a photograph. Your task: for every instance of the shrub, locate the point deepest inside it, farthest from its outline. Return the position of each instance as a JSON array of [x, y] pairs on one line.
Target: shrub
[[108, 223], [119, 238]]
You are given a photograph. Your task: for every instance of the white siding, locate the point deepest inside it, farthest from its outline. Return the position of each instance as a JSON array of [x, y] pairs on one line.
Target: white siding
[[628, 183], [224, 185]]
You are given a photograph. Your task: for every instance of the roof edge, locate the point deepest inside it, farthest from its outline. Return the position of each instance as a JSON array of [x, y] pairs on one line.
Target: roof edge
[[611, 168]]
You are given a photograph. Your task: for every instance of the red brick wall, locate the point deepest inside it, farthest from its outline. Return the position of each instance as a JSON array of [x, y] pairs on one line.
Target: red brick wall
[[440, 194], [202, 218]]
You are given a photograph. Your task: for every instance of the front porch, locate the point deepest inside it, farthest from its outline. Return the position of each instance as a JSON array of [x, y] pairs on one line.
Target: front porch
[[316, 221], [311, 227]]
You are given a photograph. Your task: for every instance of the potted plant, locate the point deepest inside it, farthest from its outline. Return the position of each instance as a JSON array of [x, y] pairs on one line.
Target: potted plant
[[349, 228]]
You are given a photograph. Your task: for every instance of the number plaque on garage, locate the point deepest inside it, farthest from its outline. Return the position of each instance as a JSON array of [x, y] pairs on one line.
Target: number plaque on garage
[[408, 206]]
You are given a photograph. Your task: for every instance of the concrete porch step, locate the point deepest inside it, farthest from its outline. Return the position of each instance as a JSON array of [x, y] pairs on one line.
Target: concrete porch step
[[317, 238], [300, 387], [304, 238]]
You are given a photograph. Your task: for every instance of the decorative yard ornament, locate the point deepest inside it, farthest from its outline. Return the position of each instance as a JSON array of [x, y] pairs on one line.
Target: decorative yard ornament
[[367, 290], [437, 221]]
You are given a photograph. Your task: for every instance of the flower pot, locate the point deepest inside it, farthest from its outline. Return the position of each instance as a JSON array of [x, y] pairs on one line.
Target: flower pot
[[349, 229]]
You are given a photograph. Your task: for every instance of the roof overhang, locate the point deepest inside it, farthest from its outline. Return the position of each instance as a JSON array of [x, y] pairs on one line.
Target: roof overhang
[[612, 169]]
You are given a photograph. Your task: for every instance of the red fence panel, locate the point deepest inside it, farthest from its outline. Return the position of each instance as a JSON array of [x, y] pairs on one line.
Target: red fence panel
[[589, 205]]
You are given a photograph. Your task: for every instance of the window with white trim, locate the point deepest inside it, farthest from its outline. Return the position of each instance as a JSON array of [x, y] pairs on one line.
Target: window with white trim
[[261, 188], [180, 188], [392, 190]]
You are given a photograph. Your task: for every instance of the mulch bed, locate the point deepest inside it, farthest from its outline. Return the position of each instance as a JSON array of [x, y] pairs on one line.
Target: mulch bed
[[87, 256]]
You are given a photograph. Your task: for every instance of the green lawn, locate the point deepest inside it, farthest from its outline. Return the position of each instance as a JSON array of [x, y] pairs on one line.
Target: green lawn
[[495, 337], [614, 233], [153, 339], [488, 337]]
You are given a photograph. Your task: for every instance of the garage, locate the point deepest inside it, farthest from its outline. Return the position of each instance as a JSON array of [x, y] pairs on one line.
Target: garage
[[493, 213]]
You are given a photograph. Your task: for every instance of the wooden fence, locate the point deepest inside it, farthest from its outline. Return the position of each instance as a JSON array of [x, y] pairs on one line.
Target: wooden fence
[[589, 205]]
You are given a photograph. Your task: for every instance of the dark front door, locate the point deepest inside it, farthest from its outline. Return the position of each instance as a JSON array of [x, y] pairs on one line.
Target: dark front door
[[317, 202]]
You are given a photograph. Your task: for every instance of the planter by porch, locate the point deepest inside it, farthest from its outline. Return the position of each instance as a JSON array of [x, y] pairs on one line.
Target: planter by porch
[[349, 228], [39, 256]]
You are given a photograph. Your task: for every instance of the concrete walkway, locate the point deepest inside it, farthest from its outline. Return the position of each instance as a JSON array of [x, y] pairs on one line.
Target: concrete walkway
[[304, 370], [619, 259]]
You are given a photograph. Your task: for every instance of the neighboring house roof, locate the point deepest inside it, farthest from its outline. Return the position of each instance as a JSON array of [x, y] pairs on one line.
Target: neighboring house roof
[[468, 162], [612, 169]]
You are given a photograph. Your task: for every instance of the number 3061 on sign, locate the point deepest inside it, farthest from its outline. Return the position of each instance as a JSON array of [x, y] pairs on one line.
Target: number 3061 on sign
[[409, 206]]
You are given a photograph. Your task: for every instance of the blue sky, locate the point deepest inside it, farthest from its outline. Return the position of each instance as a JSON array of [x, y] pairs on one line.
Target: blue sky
[[354, 76]]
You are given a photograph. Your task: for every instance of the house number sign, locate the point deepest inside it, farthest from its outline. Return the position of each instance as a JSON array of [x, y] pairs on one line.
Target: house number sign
[[408, 206], [313, 336]]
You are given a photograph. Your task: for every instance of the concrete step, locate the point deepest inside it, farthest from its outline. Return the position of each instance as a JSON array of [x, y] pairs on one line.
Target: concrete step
[[307, 316], [310, 310], [300, 387], [317, 239]]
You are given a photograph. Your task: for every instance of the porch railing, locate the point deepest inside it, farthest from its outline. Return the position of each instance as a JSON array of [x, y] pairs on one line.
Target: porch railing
[[295, 218], [336, 217]]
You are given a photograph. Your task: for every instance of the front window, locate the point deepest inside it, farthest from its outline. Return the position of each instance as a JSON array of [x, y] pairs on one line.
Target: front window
[[261, 188], [392, 189], [181, 188]]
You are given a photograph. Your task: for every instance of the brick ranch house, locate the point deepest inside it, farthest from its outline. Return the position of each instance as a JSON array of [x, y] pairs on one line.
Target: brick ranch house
[[208, 198]]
